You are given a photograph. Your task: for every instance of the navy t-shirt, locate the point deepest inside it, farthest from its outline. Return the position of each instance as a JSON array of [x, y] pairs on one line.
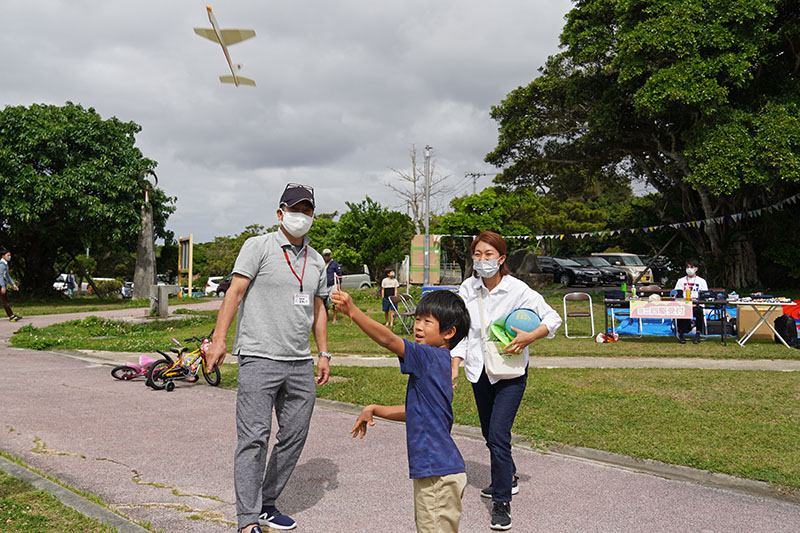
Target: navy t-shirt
[[429, 412]]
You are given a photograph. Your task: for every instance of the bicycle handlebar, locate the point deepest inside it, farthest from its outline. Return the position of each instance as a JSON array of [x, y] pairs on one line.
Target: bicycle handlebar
[[197, 339]]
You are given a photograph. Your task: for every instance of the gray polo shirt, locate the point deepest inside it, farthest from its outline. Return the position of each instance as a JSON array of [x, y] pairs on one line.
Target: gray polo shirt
[[270, 322]]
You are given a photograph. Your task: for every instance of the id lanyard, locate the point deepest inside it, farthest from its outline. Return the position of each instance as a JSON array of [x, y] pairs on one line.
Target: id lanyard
[[302, 274]]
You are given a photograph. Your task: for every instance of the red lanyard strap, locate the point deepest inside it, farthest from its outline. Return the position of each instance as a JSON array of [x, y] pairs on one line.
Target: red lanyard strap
[[302, 275]]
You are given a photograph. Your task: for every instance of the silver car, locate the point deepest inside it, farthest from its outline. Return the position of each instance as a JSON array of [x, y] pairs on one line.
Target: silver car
[[355, 279]]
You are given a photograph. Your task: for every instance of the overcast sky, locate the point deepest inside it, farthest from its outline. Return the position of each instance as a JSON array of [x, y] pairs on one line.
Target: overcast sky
[[344, 90]]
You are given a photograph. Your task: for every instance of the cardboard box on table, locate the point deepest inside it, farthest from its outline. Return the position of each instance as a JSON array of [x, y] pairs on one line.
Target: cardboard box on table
[[746, 317]]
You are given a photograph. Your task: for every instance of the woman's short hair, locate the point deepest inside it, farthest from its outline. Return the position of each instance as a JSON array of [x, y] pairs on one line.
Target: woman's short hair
[[495, 241]]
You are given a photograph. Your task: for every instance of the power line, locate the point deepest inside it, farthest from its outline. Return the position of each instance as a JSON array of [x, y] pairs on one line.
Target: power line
[[475, 176]]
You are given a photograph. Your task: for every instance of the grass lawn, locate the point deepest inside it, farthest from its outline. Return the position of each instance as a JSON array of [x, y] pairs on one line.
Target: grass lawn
[[345, 338], [33, 306], [742, 423], [25, 508]]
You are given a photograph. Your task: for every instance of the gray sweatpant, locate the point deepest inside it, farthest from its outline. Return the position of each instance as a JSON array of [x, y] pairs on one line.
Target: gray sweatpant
[[289, 387]]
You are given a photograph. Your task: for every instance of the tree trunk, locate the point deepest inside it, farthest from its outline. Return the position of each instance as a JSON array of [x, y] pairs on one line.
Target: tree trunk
[[145, 273]]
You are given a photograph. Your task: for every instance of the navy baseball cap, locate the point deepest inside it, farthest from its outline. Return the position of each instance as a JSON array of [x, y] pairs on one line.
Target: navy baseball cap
[[294, 193]]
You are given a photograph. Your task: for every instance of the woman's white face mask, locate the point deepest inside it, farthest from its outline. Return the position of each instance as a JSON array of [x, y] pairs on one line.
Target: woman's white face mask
[[486, 269], [296, 224]]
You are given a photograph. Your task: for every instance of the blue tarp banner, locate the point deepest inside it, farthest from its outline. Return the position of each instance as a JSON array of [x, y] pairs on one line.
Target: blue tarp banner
[[650, 326]]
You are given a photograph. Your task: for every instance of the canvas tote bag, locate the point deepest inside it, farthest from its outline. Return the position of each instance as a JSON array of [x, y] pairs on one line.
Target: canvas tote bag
[[497, 363]]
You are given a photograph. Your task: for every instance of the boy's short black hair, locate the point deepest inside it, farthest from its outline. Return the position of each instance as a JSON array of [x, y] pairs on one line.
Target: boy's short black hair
[[692, 261], [449, 309]]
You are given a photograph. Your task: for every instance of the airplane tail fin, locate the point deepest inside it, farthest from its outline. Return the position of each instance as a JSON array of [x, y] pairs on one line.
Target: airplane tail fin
[[242, 80]]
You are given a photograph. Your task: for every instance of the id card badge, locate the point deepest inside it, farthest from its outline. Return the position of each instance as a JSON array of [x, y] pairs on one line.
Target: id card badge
[[301, 298]]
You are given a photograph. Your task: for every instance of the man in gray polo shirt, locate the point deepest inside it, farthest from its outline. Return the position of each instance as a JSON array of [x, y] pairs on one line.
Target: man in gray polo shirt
[[278, 287]]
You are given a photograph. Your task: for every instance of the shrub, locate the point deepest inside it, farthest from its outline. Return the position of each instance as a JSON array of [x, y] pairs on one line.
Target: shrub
[[107, 287]]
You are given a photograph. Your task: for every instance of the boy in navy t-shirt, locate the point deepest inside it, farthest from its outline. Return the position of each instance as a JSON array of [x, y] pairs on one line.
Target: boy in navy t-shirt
[[434, 462]]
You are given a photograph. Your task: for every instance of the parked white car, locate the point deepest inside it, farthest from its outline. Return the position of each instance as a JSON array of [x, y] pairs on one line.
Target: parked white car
[[356, 279], [211, 285], [60, 284]]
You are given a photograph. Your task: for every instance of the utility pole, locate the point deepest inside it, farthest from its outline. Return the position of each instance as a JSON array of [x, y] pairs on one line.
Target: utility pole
[[426, 277], [475, 176]]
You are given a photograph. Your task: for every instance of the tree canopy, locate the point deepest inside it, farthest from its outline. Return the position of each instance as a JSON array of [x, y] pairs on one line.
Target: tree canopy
[[373, 235], [699, 99], [70, 180]]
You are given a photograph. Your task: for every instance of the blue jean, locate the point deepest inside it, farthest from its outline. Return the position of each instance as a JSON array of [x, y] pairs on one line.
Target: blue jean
[[497, 407]]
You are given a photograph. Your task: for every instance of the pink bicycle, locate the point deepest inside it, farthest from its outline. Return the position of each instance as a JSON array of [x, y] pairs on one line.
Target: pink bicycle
[[131, 370]]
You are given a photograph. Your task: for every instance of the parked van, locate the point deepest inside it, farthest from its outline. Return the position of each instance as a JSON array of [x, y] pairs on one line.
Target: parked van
[[632, 264], [356, 279]]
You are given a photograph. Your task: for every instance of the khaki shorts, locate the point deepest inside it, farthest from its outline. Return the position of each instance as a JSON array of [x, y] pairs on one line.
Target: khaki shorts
[[437, 502]]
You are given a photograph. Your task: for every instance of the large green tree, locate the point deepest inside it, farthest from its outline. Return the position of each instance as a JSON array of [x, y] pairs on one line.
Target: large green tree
[[698, 98], [70, 180], [519, 212], [371, 234]]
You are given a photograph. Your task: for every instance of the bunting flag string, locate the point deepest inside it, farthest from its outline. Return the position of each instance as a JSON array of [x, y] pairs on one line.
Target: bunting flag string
[[737, 217]]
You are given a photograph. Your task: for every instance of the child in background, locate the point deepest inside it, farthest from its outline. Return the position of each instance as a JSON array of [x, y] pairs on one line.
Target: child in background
[[434, 462], [388, 288]]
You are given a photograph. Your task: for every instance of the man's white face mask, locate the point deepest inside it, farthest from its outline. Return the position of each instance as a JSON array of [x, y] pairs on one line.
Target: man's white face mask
[[296, 224], [691, 271]]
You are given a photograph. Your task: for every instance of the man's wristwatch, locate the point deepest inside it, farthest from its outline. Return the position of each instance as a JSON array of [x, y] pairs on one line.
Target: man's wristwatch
[[325, 354]]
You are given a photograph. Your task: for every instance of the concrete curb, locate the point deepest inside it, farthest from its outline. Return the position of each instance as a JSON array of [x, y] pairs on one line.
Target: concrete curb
[[750, 487], [633, 464], [71, 499]]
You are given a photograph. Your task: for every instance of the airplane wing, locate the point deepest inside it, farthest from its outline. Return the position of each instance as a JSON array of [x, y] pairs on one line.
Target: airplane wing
[[236, 36], [208, 33], [242, 80]]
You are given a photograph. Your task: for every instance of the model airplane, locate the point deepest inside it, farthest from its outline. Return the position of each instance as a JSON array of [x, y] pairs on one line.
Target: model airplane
[[226, 38]]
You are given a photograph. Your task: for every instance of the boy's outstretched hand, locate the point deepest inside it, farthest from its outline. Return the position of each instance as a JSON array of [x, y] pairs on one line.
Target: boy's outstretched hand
[[343, 302], [361, 423]]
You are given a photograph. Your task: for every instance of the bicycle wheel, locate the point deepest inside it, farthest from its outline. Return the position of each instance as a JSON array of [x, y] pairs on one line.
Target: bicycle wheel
[[155, 378], [213, 376], [124, 372]]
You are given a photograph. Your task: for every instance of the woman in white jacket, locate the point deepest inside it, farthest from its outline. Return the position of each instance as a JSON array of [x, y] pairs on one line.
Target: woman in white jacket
[[497, 400]]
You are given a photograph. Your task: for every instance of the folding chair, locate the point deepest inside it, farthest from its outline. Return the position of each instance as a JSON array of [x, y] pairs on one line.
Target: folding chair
[[406, 303], [577, 297]]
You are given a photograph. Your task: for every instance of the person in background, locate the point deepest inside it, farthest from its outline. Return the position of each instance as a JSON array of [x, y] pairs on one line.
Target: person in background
[[691, 285], [71, 282], [389, 286], [6, 284], [332, 271]]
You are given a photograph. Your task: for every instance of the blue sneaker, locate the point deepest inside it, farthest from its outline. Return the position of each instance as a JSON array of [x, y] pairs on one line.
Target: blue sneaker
[[272, 517]]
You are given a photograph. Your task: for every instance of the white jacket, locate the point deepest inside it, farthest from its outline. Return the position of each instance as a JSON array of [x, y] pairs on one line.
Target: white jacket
[[510, 294]]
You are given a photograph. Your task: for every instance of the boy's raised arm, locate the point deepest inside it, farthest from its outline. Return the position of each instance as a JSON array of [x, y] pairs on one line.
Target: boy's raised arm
[[375, 331]]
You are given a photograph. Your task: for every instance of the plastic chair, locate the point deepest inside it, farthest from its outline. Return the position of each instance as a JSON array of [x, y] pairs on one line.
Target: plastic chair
[[406, 315], [577, 297]]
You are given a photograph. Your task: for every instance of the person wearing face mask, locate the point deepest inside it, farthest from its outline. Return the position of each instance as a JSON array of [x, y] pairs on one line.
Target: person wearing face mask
[[6, 284], [278, 288], [389, 286], [691, 284], [497, 400]]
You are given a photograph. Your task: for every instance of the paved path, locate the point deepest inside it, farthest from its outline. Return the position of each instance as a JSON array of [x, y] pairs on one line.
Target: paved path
[[164, 457]]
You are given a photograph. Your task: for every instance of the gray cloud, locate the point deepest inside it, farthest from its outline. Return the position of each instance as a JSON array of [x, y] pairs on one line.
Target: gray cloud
[[344, 90]]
